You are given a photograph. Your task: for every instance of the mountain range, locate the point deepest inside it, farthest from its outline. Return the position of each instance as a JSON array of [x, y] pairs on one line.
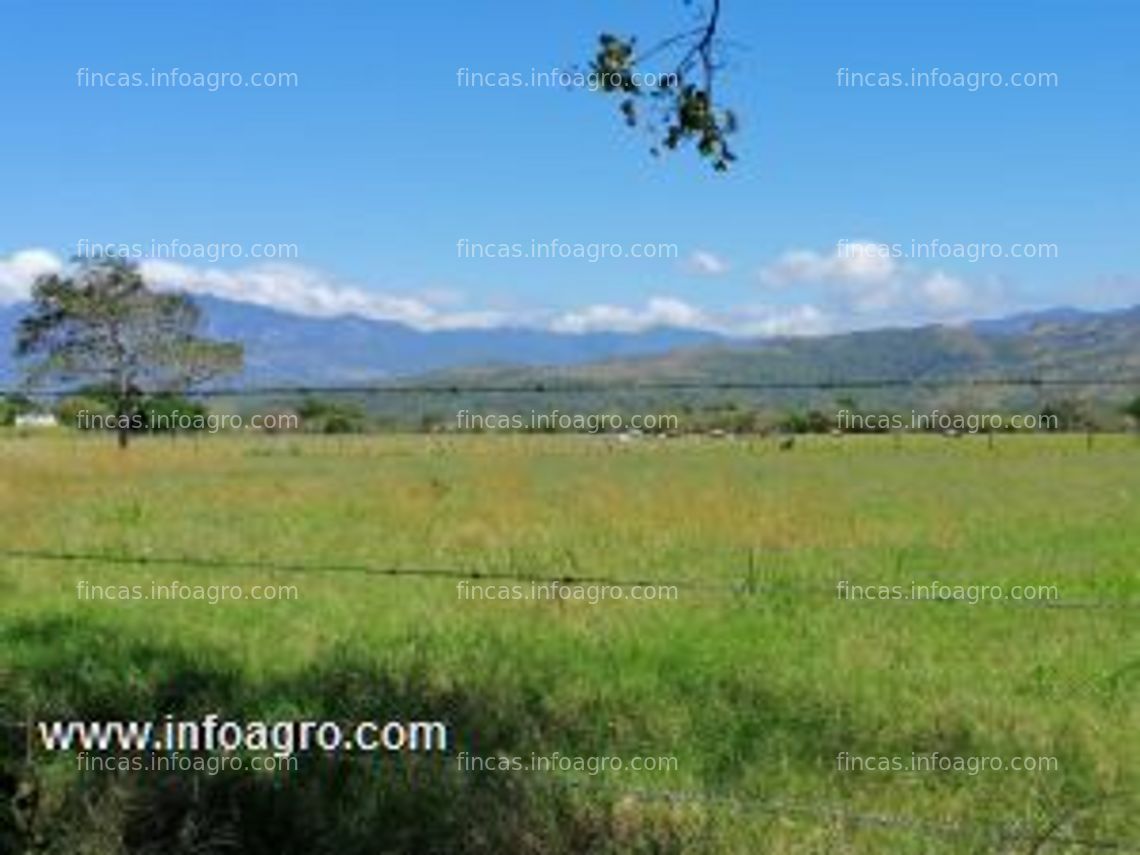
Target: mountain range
[[294, 350], [282, 348]]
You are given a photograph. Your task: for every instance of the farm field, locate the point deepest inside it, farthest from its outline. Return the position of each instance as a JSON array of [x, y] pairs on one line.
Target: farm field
[[755, 677]]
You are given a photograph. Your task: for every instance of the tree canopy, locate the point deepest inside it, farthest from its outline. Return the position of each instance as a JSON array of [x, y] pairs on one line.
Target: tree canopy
[[104, 325]]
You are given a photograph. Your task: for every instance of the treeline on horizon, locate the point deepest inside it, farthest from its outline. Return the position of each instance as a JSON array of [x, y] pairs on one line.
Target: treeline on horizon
[[93, 409]]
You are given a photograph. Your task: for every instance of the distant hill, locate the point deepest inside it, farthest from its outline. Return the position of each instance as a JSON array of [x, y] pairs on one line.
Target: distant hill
[[1024, 322], [1057, 344], [1054, 345], [289, 349]]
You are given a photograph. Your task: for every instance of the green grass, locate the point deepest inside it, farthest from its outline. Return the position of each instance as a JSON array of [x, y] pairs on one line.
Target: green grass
[[754, 694]]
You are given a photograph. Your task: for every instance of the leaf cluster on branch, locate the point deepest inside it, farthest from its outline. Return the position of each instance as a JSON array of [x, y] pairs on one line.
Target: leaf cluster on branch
[[680, 108]]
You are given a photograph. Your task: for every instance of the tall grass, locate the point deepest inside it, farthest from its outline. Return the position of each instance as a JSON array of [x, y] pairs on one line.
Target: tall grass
[[755, 678]]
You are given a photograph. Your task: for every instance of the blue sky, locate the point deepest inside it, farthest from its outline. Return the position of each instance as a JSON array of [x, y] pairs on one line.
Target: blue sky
[[377, 162]]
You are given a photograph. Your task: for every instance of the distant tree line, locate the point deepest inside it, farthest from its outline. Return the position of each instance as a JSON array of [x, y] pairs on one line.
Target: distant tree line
[[98, 408]]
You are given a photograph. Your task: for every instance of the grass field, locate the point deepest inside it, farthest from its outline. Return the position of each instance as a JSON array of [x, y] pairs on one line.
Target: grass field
[[755, 678]]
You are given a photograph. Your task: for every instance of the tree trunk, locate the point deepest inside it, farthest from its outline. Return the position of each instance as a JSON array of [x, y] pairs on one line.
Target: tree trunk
[[123, 415]]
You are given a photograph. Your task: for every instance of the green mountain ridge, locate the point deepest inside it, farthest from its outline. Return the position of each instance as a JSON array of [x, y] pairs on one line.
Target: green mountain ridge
[[1093, 360]]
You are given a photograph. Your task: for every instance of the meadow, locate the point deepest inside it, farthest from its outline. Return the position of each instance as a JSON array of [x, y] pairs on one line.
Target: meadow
[[756, 678]]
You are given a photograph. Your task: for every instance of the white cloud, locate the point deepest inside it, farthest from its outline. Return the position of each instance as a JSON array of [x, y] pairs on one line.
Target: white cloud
[[945, 292], [804, 320], [303, 291], [671, 312], [287, 288], [19, 270], [864, 277], [704, 263], [307, 292], [658, 312], [858, 261]]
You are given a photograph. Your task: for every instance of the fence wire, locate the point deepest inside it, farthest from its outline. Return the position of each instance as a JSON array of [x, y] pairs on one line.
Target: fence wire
[[751, 583]]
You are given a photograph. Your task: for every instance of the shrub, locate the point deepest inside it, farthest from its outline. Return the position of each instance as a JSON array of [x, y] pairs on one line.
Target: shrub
[[158, 412], [12, 406], [70, 410], [1133, 409], [319, 416]]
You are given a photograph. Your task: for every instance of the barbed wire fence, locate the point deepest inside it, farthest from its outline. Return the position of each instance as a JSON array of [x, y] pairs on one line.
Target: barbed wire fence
[[752, 581]]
